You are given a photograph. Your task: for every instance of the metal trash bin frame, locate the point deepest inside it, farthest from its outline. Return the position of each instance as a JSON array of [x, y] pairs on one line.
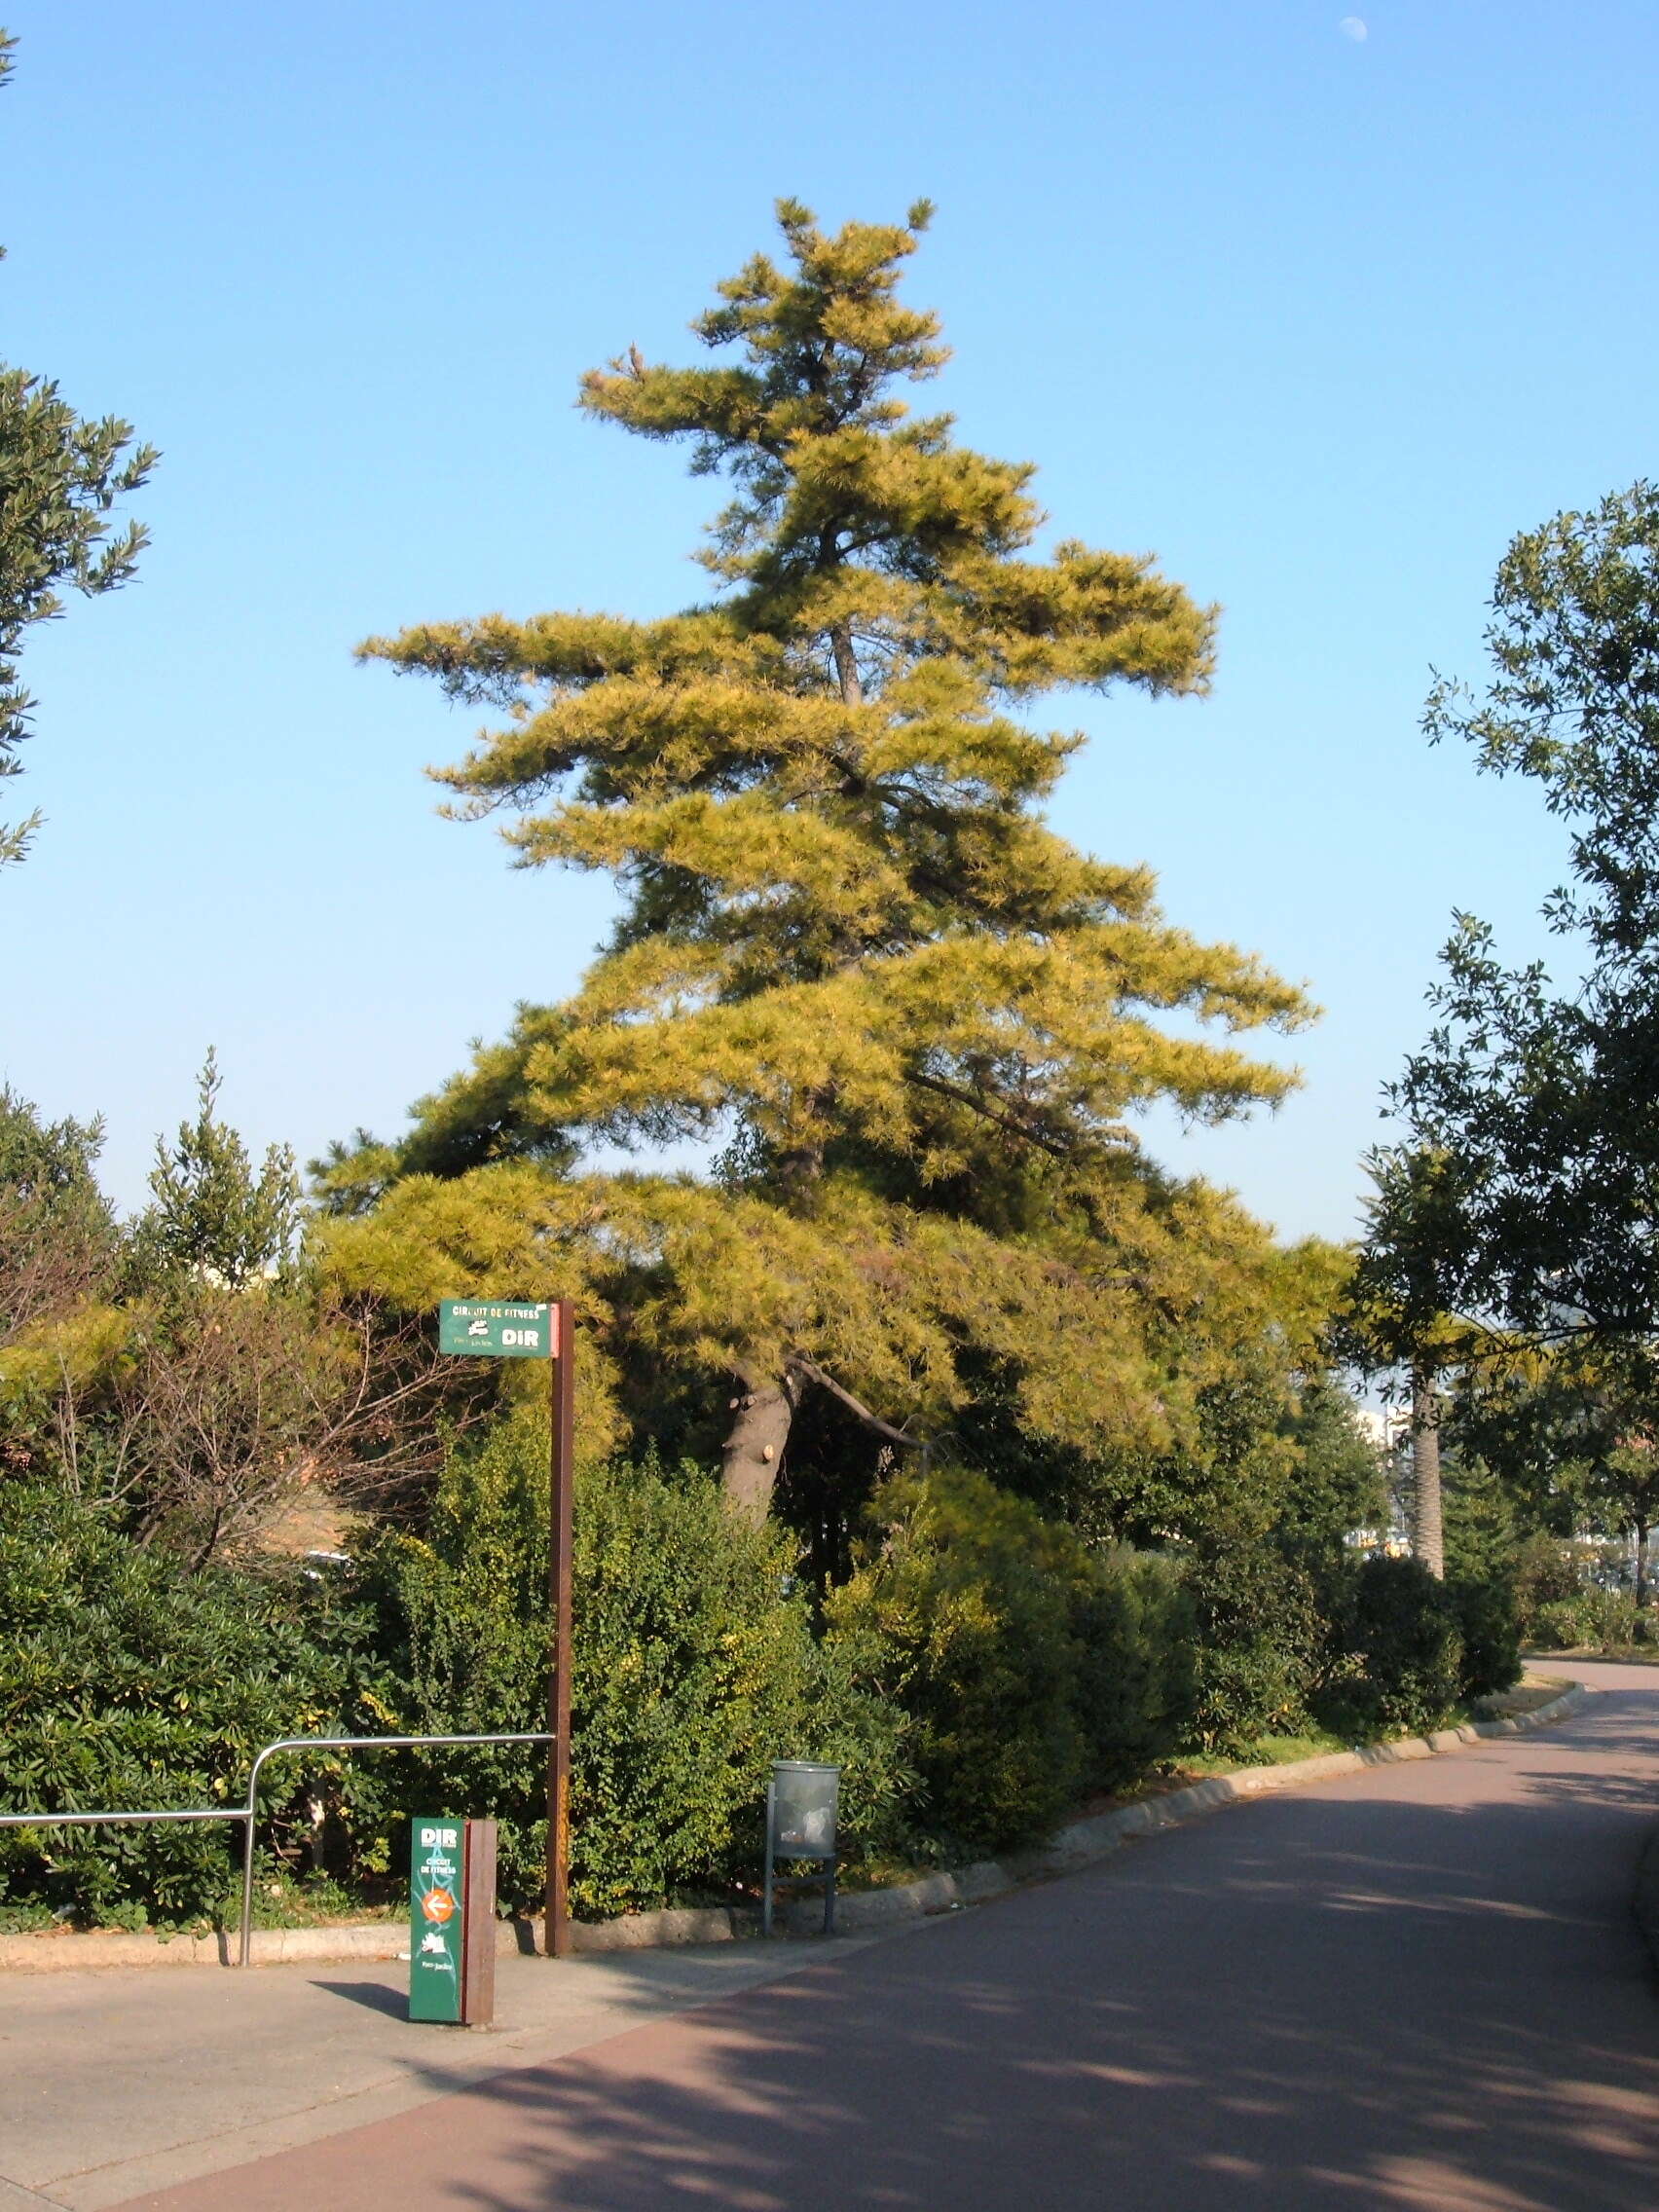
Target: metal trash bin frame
[[784, 1846]]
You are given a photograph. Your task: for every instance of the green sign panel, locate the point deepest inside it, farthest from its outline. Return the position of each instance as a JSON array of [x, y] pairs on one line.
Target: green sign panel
[[496, 1331], [437, 1893]]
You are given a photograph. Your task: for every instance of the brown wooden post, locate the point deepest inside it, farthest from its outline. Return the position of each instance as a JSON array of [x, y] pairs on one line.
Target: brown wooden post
[[478, 1929], [556, 1931]]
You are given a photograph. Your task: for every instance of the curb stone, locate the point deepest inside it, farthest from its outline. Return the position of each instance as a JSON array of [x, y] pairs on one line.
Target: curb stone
[[857, 1911]]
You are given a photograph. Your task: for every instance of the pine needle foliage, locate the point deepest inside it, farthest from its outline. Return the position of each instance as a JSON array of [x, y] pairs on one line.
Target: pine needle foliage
[[851, 942]]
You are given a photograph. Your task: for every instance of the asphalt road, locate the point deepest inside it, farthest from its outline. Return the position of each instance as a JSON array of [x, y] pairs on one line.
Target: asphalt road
[[1416, 1987]]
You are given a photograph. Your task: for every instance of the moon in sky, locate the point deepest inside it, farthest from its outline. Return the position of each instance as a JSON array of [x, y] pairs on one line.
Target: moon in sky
[[1354, 27]]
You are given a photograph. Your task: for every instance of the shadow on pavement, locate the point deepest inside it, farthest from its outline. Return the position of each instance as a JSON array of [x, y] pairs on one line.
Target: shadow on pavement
[[1406, 1990], [375, 1995], [1334, 2002]]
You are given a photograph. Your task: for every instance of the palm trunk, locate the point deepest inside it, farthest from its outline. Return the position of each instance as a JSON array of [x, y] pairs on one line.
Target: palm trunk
[[754, 1451], [1428, 1542]]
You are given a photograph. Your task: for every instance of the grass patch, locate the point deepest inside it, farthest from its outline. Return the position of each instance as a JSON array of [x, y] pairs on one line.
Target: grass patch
[[1270, 1750]]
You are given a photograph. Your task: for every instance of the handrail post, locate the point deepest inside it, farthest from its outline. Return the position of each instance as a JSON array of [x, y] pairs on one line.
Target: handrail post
[[247, 1814], [244, 1948], [247, 1862]]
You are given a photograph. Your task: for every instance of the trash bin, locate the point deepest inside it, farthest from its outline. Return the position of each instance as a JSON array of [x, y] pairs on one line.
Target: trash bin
[[801, 1803]]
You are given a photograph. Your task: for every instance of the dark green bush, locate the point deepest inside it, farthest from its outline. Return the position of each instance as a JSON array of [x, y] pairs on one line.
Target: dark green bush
[[1262, 1645], [1132, 1619], [1400, 1635], [1489, 1622], [1033, 1669], [128, 1684], [1593, 1619], [695, 1667]]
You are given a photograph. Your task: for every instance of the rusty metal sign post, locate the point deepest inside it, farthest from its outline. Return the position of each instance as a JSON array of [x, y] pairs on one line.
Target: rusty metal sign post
[[502, 1329]]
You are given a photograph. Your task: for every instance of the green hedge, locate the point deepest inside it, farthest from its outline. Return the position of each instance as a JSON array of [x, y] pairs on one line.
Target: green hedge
[[1262, 1645], [1488, 1618], [1399, 1635], [128, 1684], [1032, 1670], [695, 1667], [982, 1674]]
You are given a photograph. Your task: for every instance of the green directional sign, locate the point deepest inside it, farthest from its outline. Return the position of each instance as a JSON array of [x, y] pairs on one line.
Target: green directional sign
[[494, 1330], [437, 1900]]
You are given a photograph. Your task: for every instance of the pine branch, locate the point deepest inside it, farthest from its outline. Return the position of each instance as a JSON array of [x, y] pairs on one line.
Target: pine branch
[[1003, 1119], [798, 1363]]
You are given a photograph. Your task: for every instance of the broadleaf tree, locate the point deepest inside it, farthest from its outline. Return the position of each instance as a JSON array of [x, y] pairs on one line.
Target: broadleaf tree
[[60, 474], [1520, 1202], [851, 946]]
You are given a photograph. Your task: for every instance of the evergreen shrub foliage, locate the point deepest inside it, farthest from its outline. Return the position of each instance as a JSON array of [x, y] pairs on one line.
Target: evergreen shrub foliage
[[1262, 1645], [983, 1672], [1401, 1635], [1547, 1577], [125, 1684], [695, 1667], [968, 1598], [1137, 1680], [1489, 1622], [1031, 1669], [1562, 1607], [1593, 1620]]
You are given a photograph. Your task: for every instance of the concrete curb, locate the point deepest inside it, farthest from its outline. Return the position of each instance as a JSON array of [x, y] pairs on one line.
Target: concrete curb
[[855, 1912]]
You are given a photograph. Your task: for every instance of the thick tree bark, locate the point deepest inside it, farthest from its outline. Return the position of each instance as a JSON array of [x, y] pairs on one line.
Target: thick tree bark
[[762, 1417], [1428, 1542], [754, 1450]]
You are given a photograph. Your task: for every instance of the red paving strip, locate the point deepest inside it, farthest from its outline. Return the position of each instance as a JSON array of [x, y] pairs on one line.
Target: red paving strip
[[1417, 1988]]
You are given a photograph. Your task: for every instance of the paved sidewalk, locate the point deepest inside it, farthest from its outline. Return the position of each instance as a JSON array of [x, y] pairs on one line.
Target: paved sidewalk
[[117, 2083]]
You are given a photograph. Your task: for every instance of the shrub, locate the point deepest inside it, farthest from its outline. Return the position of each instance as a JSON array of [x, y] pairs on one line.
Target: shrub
[[1399, 1630], [1033, 1670], [1490, 1626], [1133, 1621], [970, 1597], [1261, 1648], [694, 1668], [125, 1684], [1593, 1620], [1547, 1577]]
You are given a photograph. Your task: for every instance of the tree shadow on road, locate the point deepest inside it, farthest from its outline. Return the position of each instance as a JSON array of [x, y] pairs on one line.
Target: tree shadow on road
[[1405, 1990], [1342, 2001]]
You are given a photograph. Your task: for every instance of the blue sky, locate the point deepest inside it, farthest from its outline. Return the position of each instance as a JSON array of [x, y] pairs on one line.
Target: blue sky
[[1323, 321]]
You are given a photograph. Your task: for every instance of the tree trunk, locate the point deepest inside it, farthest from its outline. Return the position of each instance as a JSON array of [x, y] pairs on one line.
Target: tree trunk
[[846, 664], [754, 1448], [1427, 1536], [1640, 1568]]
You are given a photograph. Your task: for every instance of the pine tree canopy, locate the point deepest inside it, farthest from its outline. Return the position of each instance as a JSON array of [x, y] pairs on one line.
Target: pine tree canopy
[[851, 942]]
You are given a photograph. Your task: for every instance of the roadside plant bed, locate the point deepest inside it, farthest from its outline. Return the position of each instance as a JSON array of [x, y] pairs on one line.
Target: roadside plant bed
[[320, 1903], [1617, 1654], [1528, 1696], [1078, 1844]]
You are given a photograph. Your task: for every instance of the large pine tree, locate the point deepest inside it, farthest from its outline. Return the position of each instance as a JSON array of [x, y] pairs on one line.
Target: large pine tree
[[851, 944]]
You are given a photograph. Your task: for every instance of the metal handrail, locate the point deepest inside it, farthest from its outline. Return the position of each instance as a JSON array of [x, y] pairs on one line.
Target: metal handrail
[[338, 1743], [247, 1814]]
